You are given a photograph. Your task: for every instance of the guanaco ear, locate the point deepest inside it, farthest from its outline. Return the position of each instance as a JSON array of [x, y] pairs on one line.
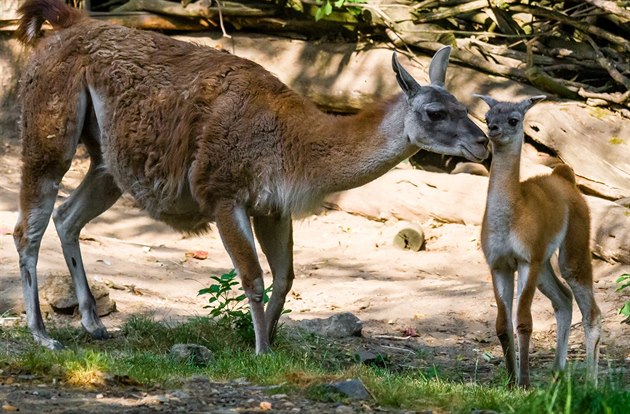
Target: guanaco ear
[[487, 99], [437, 68], [407, 83], [527, 103]]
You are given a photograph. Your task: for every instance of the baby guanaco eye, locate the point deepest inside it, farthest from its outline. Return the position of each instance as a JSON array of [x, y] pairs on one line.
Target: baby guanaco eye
[[436, 115], [513, 121]]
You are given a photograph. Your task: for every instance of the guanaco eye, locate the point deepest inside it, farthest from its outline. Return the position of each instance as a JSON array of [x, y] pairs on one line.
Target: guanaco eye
[[513, 121], [436, 115]]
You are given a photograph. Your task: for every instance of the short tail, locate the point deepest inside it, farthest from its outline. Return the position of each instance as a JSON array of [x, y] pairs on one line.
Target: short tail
[[35, 12], [565, 172]]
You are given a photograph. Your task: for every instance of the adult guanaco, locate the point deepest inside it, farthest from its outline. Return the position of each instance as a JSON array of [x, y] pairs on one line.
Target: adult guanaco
[[197, 135]]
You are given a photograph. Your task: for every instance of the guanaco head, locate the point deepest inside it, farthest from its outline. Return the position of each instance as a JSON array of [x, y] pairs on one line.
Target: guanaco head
[[435, 120], [505, 119]]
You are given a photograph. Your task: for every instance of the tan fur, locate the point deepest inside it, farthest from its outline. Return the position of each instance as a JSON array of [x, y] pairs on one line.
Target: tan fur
[[197, 135], [524, 224]]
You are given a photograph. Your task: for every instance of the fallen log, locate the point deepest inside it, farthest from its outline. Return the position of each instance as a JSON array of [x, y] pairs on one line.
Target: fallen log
[[152, 21], [199, 8]]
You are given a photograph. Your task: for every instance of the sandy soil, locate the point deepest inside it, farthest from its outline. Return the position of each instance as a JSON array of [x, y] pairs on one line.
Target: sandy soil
[[343, 263]]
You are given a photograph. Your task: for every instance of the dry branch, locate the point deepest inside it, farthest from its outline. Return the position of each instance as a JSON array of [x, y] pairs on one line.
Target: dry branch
[[580, 25], [612, 7], [608, 65]]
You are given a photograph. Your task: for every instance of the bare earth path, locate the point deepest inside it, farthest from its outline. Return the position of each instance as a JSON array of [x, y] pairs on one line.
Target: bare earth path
[[343, 263]]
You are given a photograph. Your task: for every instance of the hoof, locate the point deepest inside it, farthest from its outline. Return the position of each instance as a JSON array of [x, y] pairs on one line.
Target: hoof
[[99, 333], [55, 345], [48, 342], [264, 349]]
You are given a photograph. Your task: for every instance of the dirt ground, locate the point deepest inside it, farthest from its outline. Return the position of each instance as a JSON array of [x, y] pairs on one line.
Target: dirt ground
[[343, 263]]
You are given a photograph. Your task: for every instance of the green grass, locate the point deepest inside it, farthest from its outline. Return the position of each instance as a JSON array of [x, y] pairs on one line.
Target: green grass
[[139, 355]]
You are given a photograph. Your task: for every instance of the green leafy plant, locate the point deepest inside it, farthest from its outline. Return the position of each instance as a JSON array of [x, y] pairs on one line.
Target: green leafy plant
[[326, 7], [227, 306], [224, 304], [624, 283]]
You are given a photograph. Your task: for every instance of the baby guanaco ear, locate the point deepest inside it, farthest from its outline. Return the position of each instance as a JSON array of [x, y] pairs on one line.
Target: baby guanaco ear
[[527, 103], [487, 99]]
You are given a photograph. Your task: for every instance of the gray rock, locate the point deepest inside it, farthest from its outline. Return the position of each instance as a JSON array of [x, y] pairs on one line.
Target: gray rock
[[337, 326], [366, 357], [351, 388], [196, 354], [344, 409], [58, 292], [179, 395]]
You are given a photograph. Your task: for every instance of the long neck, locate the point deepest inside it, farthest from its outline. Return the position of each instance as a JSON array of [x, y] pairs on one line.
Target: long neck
[[504, 188], [348, 151]]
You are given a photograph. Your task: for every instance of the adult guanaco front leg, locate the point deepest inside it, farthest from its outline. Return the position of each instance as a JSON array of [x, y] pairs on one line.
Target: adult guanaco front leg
[[236, 233], [275, 235]]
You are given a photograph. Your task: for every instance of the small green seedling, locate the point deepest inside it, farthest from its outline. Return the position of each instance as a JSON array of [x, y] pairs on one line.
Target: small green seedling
[[624, 283]]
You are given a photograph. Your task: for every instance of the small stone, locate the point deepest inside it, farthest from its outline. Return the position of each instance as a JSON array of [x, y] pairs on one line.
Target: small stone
[[351, 388], [201, 382], [198, 355], [152, 400], [99, 396], [265, 405], [344, 409], [366, 356], [162, 398], [337, 326], [179, 395], [9, 407], [279, 396]]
